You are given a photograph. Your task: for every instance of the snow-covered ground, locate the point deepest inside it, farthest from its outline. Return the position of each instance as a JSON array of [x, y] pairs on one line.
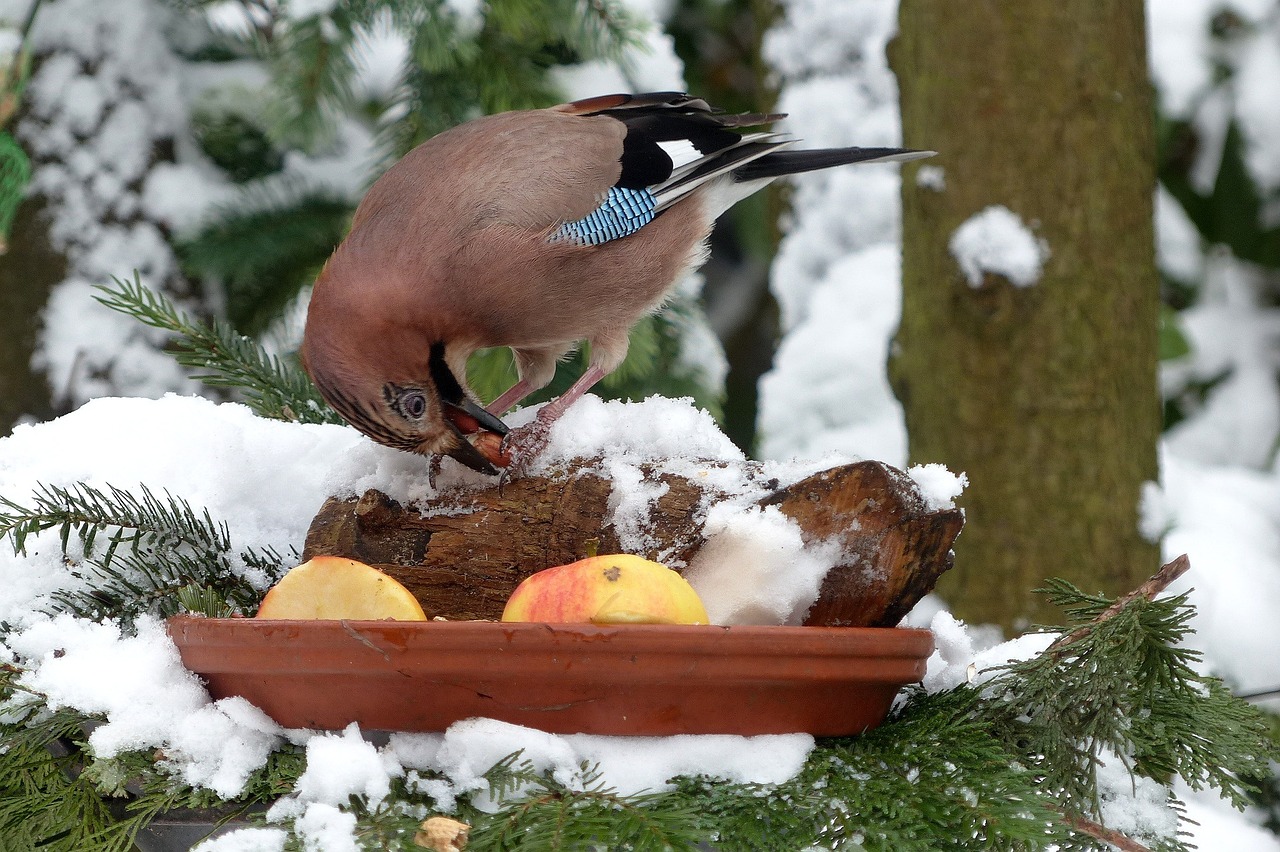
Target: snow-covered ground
[[1219, 498]]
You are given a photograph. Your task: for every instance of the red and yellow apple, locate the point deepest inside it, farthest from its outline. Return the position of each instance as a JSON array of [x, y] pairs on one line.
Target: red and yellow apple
[[334, 587], [616, 589]]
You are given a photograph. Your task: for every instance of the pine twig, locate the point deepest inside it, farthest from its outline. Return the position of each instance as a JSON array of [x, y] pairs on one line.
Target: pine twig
[[1154, 585], [271, 386], [1098, 831]]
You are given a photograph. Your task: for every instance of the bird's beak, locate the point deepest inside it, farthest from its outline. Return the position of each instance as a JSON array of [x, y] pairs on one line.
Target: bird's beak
[[472, 424]]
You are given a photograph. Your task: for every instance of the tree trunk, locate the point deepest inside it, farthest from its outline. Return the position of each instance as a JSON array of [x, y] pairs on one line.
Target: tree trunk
[[28, 272], [1044, 395]]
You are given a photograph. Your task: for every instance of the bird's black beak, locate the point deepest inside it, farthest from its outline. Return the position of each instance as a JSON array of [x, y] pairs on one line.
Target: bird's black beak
[[475, 428]]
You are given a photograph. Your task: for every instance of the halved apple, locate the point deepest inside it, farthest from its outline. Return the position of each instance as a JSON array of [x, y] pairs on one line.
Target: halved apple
[[616, 589], [338, 588]]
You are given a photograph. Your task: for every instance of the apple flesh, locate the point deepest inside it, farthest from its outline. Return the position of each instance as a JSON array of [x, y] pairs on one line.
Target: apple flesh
[[615, 589], [333, 587]]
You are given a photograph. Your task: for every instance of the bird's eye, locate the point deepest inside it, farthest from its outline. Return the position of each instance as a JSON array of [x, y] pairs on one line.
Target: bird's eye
[[412, 404]]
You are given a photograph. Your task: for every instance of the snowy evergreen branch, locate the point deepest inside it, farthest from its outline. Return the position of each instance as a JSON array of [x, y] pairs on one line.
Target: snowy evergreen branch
[[312, 64], [272, 387], [138, 521], [1007, 764], [170, 552], [544, 813], [45, 802], [1128, 686]]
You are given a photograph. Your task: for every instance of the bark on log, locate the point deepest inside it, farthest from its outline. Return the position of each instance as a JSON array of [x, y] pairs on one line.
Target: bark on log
[[462, 555]]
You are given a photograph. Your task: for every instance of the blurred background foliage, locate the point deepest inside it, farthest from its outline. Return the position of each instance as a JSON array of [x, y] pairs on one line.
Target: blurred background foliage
[[1232, 214], [260, 249]]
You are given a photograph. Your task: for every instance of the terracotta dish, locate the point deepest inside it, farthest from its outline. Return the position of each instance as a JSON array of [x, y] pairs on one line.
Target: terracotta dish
[[563, 678]]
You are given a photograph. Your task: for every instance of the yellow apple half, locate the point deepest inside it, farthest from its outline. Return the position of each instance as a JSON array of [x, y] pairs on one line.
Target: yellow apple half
[[617, 589], [333, 587]]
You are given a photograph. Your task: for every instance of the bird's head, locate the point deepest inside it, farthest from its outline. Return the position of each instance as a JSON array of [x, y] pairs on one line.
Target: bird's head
[[429, 414]]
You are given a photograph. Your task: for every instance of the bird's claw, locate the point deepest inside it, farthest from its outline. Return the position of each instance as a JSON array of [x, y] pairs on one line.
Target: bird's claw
[[523, 444]]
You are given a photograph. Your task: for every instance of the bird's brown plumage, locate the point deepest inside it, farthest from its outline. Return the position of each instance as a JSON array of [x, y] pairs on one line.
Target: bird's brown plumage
[[455, 248]]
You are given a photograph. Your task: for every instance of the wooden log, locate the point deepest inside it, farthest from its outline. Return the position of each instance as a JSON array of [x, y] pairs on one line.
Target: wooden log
[[462, 554]]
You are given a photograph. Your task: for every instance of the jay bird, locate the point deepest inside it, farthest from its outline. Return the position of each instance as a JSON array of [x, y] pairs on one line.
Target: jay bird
[[535, 230]]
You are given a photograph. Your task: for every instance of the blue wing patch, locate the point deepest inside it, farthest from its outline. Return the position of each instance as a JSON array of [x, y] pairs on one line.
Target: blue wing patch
[[623, 212]]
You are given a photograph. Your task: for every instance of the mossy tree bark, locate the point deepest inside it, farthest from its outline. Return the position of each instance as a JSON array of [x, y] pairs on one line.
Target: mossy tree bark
[[1045, 395], [28, 272]]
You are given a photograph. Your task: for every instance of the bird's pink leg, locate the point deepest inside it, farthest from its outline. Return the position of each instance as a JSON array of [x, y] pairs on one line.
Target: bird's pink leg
[[510, 397], [525, 442]]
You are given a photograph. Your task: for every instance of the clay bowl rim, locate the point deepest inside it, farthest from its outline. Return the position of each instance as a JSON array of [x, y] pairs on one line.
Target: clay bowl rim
[[905, 645], [633, 679]]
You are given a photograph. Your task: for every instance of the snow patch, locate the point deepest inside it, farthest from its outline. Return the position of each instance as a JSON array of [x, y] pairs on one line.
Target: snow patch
[[996, 241], [939, 486]]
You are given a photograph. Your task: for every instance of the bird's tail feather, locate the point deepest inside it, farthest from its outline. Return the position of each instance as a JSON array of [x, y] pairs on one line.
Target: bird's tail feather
[[733, 159], [778, 163]]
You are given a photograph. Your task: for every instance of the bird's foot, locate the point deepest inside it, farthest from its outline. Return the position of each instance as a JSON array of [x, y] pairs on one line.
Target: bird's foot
[[522, 445]]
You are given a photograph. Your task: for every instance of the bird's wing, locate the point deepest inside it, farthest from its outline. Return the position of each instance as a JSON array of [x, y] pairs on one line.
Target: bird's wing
[[674, 144]]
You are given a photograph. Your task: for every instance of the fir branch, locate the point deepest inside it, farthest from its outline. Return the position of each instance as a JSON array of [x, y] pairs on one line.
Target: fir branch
[[136, 520], [605, 27], [45, 801], [167, 547], [271, 387], [203, 600], [314, 73], [157, 581]]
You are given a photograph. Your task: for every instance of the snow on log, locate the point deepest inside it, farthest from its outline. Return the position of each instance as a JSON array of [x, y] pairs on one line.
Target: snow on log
[[462, 553]]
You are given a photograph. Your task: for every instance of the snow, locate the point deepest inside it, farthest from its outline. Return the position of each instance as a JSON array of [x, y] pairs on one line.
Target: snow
[[931, 177], [964, 655], [629, 764], [1255, 107], [107, 92], [1233, 338], [807, 408], [382, 54], [997, 241], [1131, 805], [339, 766], [324, 828], [266, 479], [1225, 518], [755, 568], [1215, 826], [149, 699], [246, 840], [110, 89], [836, 276], [1178, 250], [300, 9], [939, 486]]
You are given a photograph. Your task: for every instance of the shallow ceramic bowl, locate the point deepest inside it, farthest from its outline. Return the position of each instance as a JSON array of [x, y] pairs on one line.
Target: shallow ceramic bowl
[[563, 678]]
